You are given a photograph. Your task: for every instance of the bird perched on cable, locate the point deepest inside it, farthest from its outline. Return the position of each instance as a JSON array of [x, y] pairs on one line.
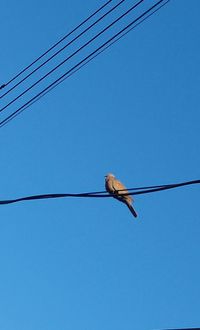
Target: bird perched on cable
[[117, 190]]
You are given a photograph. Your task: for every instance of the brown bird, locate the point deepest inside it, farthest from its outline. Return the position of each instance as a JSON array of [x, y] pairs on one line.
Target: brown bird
[[117, 190]]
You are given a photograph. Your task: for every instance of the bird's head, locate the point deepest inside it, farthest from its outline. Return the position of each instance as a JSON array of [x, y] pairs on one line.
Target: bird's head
[[109, 175]]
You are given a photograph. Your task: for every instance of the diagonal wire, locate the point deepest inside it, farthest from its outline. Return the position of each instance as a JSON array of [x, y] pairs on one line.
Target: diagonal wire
[[96, 54], [101, 194], [182, 329], [52, 47], [87, 59], [73, 54], [55, 54]]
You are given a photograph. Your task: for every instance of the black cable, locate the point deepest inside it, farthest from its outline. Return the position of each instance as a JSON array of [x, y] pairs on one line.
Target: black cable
[[101, 194], [52, 47], [99, 52], [55, 54], [90, 59], [87, 59], [74, 53], [183, 329], [167, 187]]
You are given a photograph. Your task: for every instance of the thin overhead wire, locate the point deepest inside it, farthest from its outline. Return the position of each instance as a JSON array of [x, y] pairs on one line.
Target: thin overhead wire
[[55, 54], [56, 44], [75, 52], [183, 329], [101, 51], [86, 62], [87, 59], [101, 194]]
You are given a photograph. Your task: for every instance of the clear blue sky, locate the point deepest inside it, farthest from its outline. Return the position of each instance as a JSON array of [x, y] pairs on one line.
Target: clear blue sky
[[134, 111]]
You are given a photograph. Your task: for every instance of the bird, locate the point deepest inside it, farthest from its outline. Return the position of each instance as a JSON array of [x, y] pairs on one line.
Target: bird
[[118, 191]]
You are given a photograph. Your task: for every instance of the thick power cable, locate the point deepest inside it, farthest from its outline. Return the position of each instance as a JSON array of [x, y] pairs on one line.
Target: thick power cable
[[73, 54], [52, 47], [87, 59], [55, 54], [101, 194]]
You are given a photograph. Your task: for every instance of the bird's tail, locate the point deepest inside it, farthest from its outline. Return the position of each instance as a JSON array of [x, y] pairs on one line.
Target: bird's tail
[[132, 210]]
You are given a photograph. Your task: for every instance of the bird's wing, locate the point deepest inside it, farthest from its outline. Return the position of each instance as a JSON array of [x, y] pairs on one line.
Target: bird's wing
[[117, 186], [120, 190]]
